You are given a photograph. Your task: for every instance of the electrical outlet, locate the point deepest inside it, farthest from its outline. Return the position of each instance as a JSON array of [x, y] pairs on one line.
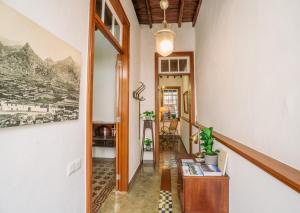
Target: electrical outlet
[[73, 167]]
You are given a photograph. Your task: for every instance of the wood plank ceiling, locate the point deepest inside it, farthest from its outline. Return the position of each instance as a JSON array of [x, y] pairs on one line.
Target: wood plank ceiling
[[179, 11]]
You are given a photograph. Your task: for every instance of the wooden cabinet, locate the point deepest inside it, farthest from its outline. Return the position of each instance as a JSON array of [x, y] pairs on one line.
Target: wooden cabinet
[[203, 194]]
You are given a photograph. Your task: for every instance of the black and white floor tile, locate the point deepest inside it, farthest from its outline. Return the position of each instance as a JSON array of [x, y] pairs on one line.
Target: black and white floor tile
[[165, 202]]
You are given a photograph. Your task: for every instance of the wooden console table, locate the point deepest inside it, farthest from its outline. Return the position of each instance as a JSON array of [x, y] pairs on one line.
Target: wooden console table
[[203, 194]]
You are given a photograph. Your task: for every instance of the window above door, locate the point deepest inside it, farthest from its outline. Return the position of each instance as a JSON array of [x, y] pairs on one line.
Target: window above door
[[174, 65], [110, 19]]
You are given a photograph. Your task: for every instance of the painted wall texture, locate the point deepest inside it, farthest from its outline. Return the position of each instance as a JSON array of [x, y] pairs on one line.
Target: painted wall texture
[[247, 61], [104, 97], [34, 159]]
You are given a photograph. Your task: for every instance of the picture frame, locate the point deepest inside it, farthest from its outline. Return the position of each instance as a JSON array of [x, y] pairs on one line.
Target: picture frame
[[39, 73], [186, 102]]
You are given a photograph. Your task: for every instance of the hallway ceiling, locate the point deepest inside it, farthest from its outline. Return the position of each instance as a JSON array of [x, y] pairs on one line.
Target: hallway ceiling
[[179, 11]]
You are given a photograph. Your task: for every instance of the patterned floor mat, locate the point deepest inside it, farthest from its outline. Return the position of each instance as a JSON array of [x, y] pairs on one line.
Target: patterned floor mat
[[104, 181]]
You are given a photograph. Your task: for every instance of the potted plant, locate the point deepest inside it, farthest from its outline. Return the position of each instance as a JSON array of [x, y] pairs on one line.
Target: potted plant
[[148, 115], [173, 116], [148, 143], [210, 155]]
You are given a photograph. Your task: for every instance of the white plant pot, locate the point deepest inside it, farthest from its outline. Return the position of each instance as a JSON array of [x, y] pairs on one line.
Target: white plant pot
[[148, 148], [211, 159]]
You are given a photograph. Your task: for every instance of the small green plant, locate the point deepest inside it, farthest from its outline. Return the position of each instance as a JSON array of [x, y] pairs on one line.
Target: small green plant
[[148, 115], [173, 116], [147, 141], [208, 141]]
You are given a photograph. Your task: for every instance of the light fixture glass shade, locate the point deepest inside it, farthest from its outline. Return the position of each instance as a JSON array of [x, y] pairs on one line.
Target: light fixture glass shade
[[165, 42]]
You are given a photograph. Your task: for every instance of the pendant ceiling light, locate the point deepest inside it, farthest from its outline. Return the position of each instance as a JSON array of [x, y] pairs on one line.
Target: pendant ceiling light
[[165, 37]]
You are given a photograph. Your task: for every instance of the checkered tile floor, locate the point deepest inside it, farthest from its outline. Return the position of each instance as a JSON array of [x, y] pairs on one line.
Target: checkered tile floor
[[165, 202]]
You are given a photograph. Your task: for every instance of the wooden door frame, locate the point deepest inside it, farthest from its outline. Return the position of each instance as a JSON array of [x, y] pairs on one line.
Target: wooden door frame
[[123, 106], [190, 54]]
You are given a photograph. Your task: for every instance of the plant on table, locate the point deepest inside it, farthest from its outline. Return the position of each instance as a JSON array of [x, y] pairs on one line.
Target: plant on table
[[148, 143], [206, 136], [148, 115]]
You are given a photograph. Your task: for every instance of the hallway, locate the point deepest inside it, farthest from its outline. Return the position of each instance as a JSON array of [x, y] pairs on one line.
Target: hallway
[[143, 195], [78, 78]]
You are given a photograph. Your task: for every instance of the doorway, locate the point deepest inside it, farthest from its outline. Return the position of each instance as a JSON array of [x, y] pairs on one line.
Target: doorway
[[105, 86], [108, 18], [174, 103]]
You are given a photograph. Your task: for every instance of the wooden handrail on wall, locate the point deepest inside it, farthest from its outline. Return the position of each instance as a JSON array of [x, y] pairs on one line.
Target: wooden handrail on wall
[[286, 174]]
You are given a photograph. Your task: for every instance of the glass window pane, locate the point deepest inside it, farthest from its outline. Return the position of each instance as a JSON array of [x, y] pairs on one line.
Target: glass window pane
[[117, 31], [164, 65], [170, 100], [174, 65], [108, 18], [99, 8], [182, 65]]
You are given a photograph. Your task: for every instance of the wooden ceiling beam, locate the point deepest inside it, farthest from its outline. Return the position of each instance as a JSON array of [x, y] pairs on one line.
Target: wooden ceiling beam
[[149, 13], [197, 13], [180, 13]]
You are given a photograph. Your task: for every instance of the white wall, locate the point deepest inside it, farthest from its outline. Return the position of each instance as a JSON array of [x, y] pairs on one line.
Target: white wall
[[104, 93], [247, 58], [33, 159], [134, 64], [104, 152], [185, 134]]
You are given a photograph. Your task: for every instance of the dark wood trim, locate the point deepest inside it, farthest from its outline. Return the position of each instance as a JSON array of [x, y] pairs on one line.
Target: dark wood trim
[[165, 181], [123, 104], [192, 96], [173, 74], [185, 119], [190, 54], [100, 25], [286, 174], [175, 8], [149, 14], [197, 13], [120, 11], [118, 112], [124, 108], [89, 110], [179, 98], [134, 177], [180, 13], [157, 128], [192, 90]]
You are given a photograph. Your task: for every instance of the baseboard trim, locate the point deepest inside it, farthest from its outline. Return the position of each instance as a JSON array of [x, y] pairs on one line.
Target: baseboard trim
[[134, 177]]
